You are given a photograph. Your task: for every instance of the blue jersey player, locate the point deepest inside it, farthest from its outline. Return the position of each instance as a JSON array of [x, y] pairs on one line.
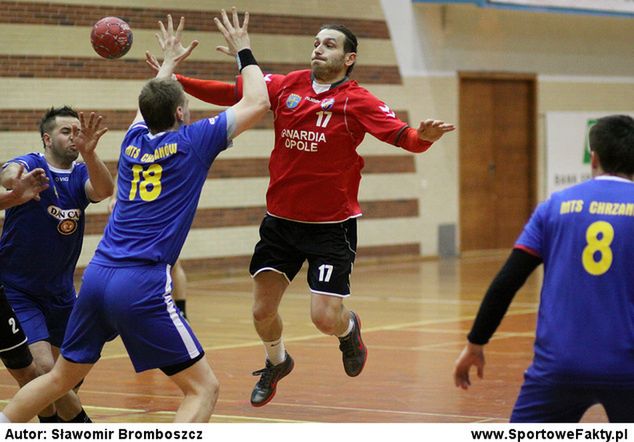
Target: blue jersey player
[[14, 350], [39, 286], [584, 344], [126, 288]]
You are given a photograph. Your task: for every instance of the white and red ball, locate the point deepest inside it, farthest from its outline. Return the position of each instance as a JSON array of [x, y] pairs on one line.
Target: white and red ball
[[111, 37]]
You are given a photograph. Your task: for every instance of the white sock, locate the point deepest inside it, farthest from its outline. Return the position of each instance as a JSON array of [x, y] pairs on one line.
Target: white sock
[[350, 327], [4, 419], [275, 351]]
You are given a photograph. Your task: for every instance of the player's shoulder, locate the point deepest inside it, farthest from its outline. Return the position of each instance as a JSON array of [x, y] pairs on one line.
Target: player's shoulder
[[292, 79], [31, 159], [358, 93], [577, 190]]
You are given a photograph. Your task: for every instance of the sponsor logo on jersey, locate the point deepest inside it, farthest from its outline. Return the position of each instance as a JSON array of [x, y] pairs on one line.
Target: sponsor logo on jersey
[[305, 140], [389, 112], [293, 101], [68, 219], [327, 103], [67, 227]]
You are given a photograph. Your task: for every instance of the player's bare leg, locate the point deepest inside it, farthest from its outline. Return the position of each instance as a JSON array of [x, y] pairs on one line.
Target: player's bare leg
[[45, 389], [200, 387], [25, 375], [268, 290], [68, 407], [269, 287], [331, 317]]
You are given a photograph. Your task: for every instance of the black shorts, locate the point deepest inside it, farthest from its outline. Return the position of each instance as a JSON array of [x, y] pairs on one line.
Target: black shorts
[[330, 249], [14, 351]]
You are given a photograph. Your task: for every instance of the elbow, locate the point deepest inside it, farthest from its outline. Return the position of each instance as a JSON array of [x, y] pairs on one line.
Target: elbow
[[262, 105], [102, 193], [108, 191]]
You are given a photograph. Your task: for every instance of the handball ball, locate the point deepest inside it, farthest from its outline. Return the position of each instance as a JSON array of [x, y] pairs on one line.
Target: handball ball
[[111, 37]]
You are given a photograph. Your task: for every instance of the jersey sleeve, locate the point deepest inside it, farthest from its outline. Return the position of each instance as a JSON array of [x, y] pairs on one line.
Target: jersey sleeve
[[377, 118], [211, 91], [531, 238], [273, 85], [29, 161], [208, 137]]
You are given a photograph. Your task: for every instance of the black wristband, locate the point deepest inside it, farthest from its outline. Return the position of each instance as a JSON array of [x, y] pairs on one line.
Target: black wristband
[[245, 58]]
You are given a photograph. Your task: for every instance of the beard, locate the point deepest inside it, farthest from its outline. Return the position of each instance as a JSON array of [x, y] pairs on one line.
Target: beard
[[64, 155], [328, 70]]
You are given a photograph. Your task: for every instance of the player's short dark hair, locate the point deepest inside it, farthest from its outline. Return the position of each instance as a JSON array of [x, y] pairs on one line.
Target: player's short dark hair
[[612, 139], [47, 123], [350, 43], [158, 101]]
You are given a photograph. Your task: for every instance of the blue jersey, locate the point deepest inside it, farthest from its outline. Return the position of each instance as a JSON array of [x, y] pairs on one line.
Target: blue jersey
[[585, 326], [159, 182], [41, 240]]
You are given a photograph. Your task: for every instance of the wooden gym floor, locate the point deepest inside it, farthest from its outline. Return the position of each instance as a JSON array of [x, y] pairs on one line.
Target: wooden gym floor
[[415, 318]]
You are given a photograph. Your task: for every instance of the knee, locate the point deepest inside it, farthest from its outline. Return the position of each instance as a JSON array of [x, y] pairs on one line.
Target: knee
[[45, 366], [263, 312], [213, 388], [60, 381], [207, 391]]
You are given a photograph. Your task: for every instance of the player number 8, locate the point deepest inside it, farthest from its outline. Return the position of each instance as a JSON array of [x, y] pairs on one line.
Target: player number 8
[[599, 236]]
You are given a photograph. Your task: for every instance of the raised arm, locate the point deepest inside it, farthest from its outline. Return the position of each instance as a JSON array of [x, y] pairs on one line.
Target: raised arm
[[210, 91], [100, 183], [173, 51], [255, 100]]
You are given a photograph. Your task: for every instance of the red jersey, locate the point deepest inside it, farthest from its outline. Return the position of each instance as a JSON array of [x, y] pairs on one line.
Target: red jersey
[[315, 170]]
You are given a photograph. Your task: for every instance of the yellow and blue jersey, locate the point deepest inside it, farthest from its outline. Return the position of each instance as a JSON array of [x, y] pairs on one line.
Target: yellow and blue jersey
[[160, 178], [585, 325]]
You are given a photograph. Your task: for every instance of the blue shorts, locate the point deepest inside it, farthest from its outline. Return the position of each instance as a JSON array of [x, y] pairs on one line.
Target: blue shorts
[[135, 303], [42, 319], [539, 402]]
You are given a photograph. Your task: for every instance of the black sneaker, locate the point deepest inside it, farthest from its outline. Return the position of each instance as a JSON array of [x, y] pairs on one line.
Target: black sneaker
[[354, 352], [270, 375]]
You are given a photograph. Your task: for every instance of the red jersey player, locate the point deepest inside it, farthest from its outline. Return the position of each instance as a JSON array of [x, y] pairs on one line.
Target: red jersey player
[[321, 117]]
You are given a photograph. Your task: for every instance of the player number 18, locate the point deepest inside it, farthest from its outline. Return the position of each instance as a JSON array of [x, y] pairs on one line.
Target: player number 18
[[146, 181], [599, 236]]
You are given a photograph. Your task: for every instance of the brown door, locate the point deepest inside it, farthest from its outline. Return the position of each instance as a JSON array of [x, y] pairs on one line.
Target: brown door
[[497, 158]]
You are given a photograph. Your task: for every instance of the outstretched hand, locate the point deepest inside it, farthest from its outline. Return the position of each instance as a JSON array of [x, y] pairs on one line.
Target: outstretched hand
[[432, 130], [88, 136], [170, 41], [472, 355], [27, 186], [235, 35]]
